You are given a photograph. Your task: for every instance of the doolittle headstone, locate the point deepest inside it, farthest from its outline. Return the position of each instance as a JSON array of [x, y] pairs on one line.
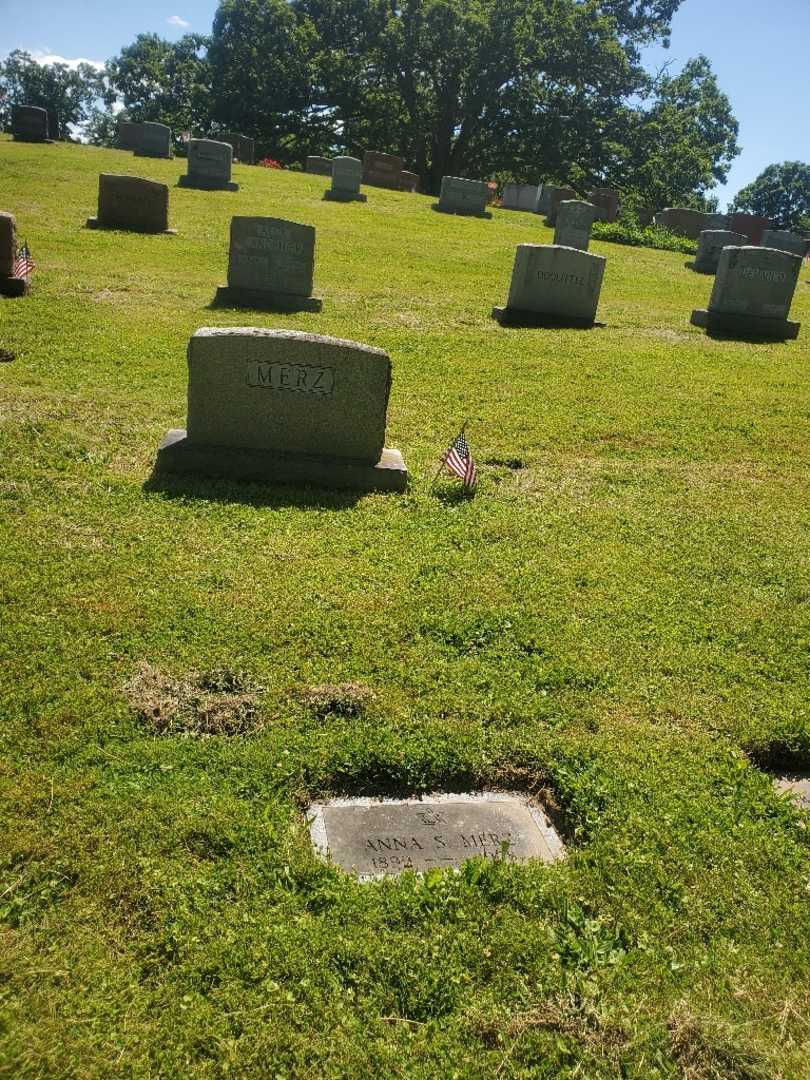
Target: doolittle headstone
[[10, 283], [319, 166], [156, 141], [520, 197], [466, 197], [552, 285], [130, 202], [271, 265], [752, 294], [346, 175], [209, 166], [711, 244], [781, 240], [382, 170], [287, 407], [374, 838], [130, 135], [574, 224], [29, 123]]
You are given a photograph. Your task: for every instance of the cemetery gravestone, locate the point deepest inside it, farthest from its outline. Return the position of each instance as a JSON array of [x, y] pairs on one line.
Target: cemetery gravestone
[[129, 202], [682, 220], [346, 175], [781, 240], [543, 205], [247, 150], [410, 181], [752, 294], [711, 244], [271, 265], [10, 283], [209, 166], [520, 197], [130, 135], [606, 202], [645, 215], [750, 225], [53, 125], [319, 166], [558, 195], [465, 197], [574, 223], [373, 838], [287, 407], [156, 141], [382, 170], [552, 286], [29, 124]]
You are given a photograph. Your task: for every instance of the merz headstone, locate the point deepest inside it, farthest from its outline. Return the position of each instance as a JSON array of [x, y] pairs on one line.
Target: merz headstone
[[468, 198], [710, 245], [781, 240], [11, 284], [574, 224], [132, 203], [752, 294], [130, 135], [552, 286], [346, 175], [209, 166], [286, 407], [29, 123], [382, 170], [156, 141], [318, 166], [271, 265], [373, 838]]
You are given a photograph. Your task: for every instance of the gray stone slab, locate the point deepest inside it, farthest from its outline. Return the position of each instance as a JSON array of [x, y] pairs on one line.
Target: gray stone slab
[[271, 256], [376, 838], [465, 197], [319, 166], [8, 243], [553, 284], [132, 203], [780, 240], [544, 192], [209, 166], [156, 141], [797, 785], [710, 246], [383, 170], [752, 293], [130, 135], [29, 123], [520, 197], [556, 195], [574, 223], [346, 175], [684, 221], [410, 181], [606, 202]]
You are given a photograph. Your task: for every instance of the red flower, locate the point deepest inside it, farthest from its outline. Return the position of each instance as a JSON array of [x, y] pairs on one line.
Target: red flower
[[271, 163]]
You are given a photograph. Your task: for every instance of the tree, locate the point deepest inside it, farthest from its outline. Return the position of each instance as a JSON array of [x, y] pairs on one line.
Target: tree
[[782, 193], [68, 92]]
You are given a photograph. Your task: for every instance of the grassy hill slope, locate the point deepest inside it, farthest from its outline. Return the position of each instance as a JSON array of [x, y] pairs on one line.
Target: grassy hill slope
[[620, 618]]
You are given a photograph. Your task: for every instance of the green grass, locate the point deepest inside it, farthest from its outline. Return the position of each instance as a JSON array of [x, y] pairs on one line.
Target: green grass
[[620, 618]]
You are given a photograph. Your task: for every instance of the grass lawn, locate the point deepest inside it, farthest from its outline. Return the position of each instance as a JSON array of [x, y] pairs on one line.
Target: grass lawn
[[619, 619]]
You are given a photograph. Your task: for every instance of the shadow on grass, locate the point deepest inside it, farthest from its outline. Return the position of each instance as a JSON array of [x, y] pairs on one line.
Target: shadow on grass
[[452, 496], [253, 493]]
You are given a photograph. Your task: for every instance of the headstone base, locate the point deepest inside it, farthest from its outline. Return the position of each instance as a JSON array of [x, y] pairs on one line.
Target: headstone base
[[14, 286], [259, 300], [177, 455], [344, 196], [206, 185], [702, 267], [25, 138], [94, 223], [462, 213], [755, 326], [507, 316], [146, 153]]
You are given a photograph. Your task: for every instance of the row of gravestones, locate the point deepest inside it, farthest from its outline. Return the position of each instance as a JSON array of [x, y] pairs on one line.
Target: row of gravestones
[[155, 140], [377, 170]]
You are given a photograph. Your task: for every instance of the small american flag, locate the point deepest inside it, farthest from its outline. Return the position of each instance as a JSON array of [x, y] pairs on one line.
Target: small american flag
[[23, 263], [459, 461]]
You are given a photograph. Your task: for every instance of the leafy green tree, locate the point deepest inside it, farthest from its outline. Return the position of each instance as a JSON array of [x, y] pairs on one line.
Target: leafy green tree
[[782, 193], [69, 92]]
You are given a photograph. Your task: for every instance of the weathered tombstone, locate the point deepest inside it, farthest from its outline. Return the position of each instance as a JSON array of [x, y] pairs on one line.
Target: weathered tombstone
[[544, 193], [232, 139], [271, 263], [29, 123], [319, 166], [556, 196], [717, 221], [574, 224], [781, 240], [130, 135], [682, 220], [247, 150], [156, 141], [520, 197], [750, 225], [373, 838], [606, 201], [286, 407], [410, 181], [466, 197], [11, 284], [346, 175], [710, 245], [209, 166], [382, 170], [53, 125], [752, 294], [132, 203], [552, 285]]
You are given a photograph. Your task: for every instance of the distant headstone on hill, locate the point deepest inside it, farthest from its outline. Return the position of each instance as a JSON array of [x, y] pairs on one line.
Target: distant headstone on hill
[[469, 198], [683, 220], [382, 170], [751, 225], [271, 264], [711, 244], [781, 240], [520, 197], [318, 166], [130, 135], [346, 175], [29, 123], [132, 203], [53, 125], [557, 195], [544, 193], [551, 286], [606, 201], [574, 223], [286, 407], [410, 181], [11, 284], [209, 166], [156, 141], [752, 294]]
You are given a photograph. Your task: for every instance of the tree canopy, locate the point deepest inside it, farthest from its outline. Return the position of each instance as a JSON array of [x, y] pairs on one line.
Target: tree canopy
[[69, 92], [782, 193]]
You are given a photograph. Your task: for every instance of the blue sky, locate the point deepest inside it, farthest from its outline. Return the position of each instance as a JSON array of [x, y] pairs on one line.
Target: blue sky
[[759, 52]]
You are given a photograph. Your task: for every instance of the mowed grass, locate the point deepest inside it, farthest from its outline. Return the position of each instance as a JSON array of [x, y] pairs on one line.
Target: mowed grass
[[620, 620]]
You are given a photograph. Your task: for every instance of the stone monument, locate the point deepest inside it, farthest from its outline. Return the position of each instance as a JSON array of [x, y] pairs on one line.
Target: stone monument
[[520, 197], [557, 195], [574, 224], [552, 286], [750, 225], [468, 198], [346, 175], [606, 201], [752, 294], [130, 135], [410, 181], [382, 170], [710, 245], [11, 284], [209, 166], [781, 240], [156, 141], [319, 166], [29, 123], [286, 407], [271, 263], [684, 221], [132, 203]]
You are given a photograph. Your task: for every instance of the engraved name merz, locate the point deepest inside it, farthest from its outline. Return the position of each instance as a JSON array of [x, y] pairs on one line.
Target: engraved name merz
[[300, 378]]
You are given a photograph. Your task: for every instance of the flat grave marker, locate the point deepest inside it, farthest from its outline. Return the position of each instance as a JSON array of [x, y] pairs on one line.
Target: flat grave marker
[[271, 265], [752, 294], [797, 785], [468, 198], [552, 286], [209, 166], [131, 203]]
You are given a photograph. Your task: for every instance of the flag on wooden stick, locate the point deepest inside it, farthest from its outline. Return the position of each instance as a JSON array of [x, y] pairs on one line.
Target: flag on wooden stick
[[459, 461]]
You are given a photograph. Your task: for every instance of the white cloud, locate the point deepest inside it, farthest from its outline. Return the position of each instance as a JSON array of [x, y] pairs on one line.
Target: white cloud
[[175, 20], [45, 57]]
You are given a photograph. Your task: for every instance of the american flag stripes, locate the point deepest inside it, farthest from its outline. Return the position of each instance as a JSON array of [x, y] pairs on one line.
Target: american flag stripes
[[23, 263], [459, 461]]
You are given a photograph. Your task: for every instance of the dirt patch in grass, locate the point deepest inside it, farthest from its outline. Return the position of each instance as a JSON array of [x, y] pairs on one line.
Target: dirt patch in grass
[[341, 699], [217, 702]]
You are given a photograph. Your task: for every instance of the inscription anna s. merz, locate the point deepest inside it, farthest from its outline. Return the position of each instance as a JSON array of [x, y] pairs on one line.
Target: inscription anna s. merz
[[298, 378]]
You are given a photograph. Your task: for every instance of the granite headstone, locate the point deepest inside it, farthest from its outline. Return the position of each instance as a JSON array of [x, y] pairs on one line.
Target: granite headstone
[[751, 225], [556, 196], [606, 202], [711, 244], [382, 170], [752, 294], [781, 240], [574, 223], [410, 181], [130, 135], [156, 141], [209, 166], [318, 166], [552, 286], [346, 175], [271, 264], [468, 198], [132, 203], [520, 197], [29, 123]]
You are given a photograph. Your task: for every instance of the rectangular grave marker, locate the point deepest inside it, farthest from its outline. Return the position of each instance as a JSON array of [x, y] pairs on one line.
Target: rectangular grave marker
[[318, 166], [130, 135], [520, 197], [551, 286], [410, 181], [382, 170], [752, 294], [468, 198], [574, 224], [606, 202], [271, 264], [781, 240], [132, 203], [711, 244], [156, 141], [29, 123], [555, 196], [346, 175], [209, 166]]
